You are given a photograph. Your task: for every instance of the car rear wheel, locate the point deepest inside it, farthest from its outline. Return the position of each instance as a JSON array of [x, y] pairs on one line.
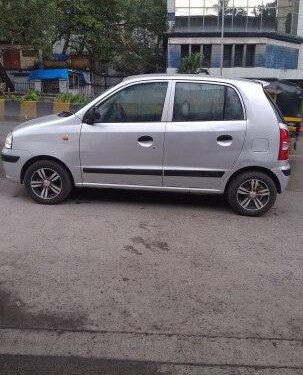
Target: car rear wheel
[[47, 182], [252, 193]]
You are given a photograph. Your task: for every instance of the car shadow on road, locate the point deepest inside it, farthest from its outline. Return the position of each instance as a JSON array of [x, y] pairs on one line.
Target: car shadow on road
[[130, 197], [81, 196], [47, 365]]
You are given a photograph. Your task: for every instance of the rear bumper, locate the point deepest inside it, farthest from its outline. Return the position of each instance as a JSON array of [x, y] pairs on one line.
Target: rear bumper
[[283, 174], [286, 172]]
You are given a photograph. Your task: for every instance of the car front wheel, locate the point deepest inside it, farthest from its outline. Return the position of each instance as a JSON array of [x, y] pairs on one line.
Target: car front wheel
[[252, 193], [47, 182]]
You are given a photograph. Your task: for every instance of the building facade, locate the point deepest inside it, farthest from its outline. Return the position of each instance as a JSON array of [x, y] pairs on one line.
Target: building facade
[[262, 38]]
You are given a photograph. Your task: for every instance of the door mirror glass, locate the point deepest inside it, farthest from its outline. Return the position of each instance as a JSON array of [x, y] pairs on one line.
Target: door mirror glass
[[92, 115]]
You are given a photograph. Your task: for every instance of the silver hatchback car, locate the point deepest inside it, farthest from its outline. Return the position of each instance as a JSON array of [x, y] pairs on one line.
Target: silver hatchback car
[[159, 132]]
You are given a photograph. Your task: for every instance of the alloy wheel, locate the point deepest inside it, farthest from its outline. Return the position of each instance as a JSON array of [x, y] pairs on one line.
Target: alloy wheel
[[253, 194], [46, 183]]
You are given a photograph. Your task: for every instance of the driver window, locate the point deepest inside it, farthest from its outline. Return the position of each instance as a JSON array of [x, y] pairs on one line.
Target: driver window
[[139, 103]]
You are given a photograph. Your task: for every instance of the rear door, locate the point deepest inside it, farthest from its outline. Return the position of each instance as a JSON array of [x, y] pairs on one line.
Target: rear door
[[205, 135]]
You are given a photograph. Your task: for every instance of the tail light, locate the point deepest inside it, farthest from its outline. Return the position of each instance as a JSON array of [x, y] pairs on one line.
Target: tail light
[[284, 144]]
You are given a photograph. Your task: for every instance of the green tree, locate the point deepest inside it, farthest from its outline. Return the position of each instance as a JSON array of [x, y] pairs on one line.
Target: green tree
[[127, 32], [27, 22], [140, 40], [87, 25]]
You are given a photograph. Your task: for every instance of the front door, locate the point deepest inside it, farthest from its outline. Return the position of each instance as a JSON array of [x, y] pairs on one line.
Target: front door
[[205, 137], [125, 145]]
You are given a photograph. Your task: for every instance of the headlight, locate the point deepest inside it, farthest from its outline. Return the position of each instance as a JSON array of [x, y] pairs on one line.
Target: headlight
[[9, 141]]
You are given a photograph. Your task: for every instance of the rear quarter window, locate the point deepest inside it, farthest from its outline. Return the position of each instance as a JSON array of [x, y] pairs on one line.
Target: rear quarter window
[[275, 108]]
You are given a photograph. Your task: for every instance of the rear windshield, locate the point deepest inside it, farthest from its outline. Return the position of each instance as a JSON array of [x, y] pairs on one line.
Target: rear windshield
[[276, 109]]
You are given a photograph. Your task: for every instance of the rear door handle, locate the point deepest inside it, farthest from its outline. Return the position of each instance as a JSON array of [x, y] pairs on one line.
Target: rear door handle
[[224, 138]]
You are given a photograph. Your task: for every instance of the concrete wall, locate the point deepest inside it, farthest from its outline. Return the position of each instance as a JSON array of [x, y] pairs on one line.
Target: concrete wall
[[21, 111], [171, 6], [277, 58], [300, 33], [171, 15], [300, 22], [259, 72], [274, 58], [27, 56]]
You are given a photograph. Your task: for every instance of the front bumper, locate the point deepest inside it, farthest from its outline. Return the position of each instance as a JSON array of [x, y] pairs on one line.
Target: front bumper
[[13, 162], [10, 158]]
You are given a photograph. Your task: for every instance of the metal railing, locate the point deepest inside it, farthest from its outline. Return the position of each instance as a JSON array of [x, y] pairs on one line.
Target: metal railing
[[53, 88], [22, 87]]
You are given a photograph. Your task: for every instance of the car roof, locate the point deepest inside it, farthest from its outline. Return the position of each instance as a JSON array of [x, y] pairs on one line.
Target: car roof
[[191, 77]]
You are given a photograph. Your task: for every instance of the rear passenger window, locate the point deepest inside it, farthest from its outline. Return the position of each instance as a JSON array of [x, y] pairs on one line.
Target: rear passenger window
[[206, 102]]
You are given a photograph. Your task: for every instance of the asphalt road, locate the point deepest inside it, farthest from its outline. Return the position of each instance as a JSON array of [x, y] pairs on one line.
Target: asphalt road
[[118, 282]]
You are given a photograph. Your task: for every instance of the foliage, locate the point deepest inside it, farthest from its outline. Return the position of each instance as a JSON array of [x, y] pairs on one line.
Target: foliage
[[87, 25], [69, 97], [191, 64], [12, 97], [31, 96], [139, 46], [81, 24], [27, 22], [126, 32]]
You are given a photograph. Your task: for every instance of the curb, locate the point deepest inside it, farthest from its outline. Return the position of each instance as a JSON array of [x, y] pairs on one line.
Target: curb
[[27, 110], [167, 349]]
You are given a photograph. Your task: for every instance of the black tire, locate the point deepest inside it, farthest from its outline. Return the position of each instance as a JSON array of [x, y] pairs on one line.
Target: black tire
[[239, 199], [57, 191]]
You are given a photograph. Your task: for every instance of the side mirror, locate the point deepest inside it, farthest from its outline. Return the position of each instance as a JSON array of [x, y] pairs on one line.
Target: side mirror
[[92, 115]]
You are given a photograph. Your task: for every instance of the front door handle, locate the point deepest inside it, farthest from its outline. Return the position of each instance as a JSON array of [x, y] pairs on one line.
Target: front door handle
[[146, 141], [224, 138], [145, 138]]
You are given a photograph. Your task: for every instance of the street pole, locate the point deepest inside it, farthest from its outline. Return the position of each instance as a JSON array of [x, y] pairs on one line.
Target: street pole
[[222, 37]]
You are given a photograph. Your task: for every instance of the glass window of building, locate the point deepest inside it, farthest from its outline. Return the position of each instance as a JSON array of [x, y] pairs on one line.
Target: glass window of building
[[227, 55], [184, 50], [239, 53], [284, 16], [250, 55], [196, 48], [240, 15], [207, 49]]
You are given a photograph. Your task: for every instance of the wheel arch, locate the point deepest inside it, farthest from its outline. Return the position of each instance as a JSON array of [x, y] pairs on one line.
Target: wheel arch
[[44, 157], [258, 169]]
